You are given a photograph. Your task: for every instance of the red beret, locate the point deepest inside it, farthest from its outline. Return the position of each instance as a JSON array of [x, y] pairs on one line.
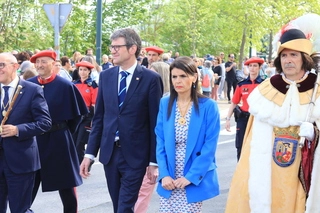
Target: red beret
[[254, 60], [85, 64], [155, 49], [44, 53]]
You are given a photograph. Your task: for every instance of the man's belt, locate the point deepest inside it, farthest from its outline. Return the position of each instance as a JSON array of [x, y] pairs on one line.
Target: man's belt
[[244, 114], [56, 127]]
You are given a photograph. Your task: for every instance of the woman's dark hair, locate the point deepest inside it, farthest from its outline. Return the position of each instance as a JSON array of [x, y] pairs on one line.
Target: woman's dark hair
[[189, 67], [307, 62], [23, 56], [30, 53], [218, 59]]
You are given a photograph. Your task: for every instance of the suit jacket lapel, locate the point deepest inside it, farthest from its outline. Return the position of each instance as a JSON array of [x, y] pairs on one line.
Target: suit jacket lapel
[[136, 78], [170, 135], [17, 100], [19, 95], [193, 130], [114, 86]]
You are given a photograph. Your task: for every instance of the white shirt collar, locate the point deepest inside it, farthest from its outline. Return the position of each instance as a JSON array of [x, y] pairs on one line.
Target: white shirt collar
[[131, 69], [13, 83]]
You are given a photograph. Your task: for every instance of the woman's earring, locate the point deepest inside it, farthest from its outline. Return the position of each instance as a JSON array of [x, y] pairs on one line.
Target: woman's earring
[[194, 85]]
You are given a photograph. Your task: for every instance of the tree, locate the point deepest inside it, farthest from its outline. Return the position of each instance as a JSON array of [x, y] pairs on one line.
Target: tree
[[187, 26]]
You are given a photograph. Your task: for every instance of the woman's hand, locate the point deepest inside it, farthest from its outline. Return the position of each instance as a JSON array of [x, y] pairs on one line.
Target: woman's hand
[[181, 183], [168, 183]]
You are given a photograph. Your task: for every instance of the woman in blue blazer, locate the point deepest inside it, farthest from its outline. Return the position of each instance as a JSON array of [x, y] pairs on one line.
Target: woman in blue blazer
[[187, 132]]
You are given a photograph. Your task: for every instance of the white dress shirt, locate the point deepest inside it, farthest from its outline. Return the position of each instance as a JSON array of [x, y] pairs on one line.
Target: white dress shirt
[[13, 85]]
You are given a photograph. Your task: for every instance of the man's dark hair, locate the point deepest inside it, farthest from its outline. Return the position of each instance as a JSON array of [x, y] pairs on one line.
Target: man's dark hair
[[131, 38], [64, 60], [307, 62]]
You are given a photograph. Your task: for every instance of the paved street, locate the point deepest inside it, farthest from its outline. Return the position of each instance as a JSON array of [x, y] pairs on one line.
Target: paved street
[[93, 195]]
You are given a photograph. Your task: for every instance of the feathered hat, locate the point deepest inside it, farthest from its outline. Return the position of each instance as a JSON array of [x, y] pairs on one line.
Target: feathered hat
[[300, 34]]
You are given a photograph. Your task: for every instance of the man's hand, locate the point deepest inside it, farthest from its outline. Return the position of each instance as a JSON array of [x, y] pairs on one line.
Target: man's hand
[[306, 130], [181, 182], [168, 183], [9, 130], [152, 174], [227, 125], [84, 167]]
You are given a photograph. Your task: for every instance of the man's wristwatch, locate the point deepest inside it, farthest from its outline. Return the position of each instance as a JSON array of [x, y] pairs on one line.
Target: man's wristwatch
[[227, 118]]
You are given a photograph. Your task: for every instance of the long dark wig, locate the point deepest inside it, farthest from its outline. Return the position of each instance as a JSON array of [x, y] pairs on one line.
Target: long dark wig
[[307, 62], [189, 67]]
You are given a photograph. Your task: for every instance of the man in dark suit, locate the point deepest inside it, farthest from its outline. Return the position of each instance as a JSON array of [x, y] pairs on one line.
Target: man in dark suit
[[19, 157], [123, 127]]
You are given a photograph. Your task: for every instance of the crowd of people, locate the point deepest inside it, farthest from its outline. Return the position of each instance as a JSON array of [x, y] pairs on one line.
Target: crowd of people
[[154, 120]]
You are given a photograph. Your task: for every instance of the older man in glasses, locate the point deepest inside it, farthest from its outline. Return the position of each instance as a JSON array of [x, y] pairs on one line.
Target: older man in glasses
[[19, 156]]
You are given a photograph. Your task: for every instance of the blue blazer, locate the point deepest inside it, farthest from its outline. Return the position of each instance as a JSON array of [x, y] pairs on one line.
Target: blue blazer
[[135, 121], [200, 165], [31, 115]]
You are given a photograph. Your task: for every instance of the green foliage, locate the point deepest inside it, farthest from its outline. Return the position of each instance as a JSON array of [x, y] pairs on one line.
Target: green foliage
[[187, 26], [210, 26]]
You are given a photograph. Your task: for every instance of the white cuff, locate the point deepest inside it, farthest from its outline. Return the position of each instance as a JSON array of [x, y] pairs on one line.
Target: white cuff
[[89, 156]]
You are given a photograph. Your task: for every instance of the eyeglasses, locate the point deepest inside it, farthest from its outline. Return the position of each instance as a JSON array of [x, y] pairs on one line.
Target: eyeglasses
[[231, 56], [2, 65], [117, 47]]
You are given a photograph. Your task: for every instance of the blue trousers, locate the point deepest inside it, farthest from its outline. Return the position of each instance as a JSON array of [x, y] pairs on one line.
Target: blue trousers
[[241, 129], [123, 182], [14, 188]]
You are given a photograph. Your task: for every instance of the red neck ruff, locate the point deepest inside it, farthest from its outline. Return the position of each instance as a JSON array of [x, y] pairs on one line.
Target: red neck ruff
[[47, 80]]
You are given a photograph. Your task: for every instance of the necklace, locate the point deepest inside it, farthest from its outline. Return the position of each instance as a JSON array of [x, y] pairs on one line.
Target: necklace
[[182, 119], [5, 107], [4, 111]]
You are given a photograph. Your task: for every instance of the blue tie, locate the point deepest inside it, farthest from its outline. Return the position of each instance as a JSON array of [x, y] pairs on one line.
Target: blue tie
[[122, 91], [123, 87], [5, 103]]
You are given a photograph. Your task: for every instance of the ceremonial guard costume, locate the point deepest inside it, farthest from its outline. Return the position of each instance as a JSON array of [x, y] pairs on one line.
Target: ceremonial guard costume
[[89, 90], [56, 147], [274, 173], [244, 88], [58, 156]]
